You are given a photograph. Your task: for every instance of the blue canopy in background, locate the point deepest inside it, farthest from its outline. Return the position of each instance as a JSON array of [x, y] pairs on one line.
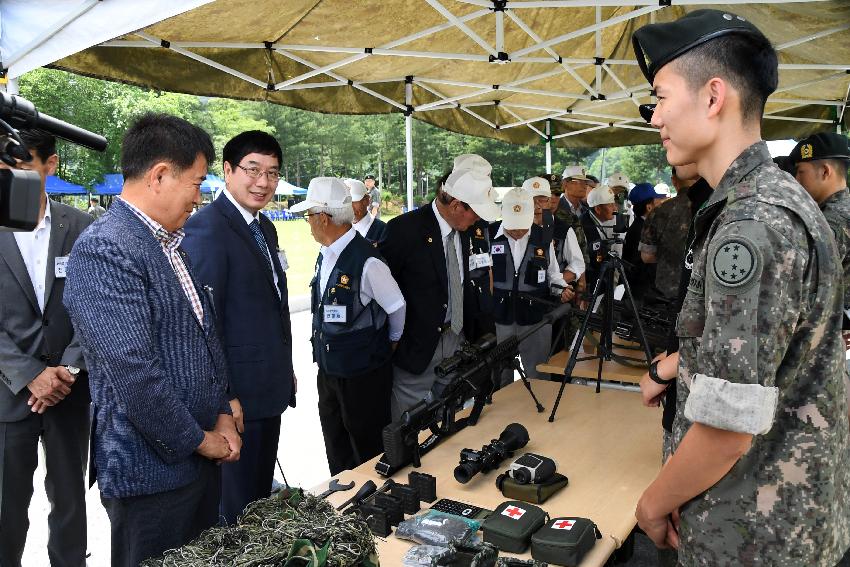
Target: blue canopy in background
[[57, 186], [111, 184], [212, 184]]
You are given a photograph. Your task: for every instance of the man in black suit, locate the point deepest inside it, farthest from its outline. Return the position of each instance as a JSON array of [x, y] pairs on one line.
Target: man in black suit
[[234, 250], [45, 395], [443, 302]]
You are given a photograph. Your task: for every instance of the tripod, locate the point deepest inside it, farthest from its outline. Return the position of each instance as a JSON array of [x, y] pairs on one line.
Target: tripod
[[604, 286]]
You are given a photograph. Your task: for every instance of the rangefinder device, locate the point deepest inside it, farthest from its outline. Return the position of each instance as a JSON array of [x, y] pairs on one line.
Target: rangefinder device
[[532, 469]]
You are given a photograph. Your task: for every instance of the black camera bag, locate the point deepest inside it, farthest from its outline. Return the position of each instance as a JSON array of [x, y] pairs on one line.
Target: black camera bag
[[511, 524], [564, 541]]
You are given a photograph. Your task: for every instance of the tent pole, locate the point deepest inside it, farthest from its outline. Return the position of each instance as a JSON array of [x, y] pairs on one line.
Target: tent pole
[[11, 87], [548, 146], [408, 138]]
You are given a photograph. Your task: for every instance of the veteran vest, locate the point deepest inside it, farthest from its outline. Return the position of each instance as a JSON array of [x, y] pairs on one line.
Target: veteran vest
[[349, 338], [510, 284]]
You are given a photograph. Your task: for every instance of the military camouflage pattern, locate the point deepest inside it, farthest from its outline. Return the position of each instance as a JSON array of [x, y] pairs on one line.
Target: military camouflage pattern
[[664, 234], [566, 214], [836, 209], [785, 502]]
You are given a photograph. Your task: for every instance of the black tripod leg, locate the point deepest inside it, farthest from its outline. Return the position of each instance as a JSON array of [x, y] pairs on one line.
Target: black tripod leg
[[631, 301], [524, 377], [571, 363]]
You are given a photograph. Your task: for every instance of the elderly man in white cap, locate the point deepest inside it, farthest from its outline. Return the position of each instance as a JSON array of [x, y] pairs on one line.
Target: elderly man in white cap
[[358, 316], [525, 274], [369, 227], [598, 222], [568, 252], [428, 251]]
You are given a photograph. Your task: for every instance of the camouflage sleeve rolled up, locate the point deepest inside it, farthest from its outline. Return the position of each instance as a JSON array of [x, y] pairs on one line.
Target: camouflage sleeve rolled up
[[754, 288]]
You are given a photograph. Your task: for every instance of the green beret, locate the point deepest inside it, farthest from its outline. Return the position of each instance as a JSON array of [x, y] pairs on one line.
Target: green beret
[[656, 45], [824, 145]]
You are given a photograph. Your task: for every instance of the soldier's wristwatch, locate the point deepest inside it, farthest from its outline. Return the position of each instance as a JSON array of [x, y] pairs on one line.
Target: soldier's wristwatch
[[653, 374]]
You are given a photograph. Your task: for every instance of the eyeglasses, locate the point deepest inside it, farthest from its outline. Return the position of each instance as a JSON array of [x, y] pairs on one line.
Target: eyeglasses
[[255, 172], [308, 215]]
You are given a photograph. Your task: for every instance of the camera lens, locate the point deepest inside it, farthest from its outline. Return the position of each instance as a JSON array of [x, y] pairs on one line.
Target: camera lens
[[522, 476]]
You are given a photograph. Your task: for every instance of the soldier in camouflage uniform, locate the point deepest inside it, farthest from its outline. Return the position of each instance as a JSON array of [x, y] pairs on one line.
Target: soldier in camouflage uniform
[[820, 163], [760, 470], [663, 239]]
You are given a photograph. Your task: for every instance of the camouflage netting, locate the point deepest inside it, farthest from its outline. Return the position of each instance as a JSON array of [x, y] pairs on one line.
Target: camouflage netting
[[288, 529]]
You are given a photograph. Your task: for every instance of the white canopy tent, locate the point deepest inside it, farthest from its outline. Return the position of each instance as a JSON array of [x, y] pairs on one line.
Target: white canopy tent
[[525, 71]]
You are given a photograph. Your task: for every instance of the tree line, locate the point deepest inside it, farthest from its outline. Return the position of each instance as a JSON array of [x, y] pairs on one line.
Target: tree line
[[314, 144]]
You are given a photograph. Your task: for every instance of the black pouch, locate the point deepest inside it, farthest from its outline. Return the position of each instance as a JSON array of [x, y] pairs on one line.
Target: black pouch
[[511, 524], [534, 493], [564, 541]]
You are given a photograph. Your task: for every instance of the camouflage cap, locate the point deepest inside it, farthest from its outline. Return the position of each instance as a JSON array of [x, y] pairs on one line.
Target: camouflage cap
[[657, 44], [824, 145], [554, 182]]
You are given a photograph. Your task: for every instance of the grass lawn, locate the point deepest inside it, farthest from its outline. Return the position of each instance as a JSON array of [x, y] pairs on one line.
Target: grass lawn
[[301, 252]]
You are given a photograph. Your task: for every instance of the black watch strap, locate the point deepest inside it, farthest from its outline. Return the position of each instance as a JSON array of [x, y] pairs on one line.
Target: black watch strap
[[653, 374]]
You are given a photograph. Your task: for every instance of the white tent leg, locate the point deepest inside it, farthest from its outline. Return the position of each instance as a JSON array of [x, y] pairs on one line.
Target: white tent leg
[[548, 146], [408, 139]]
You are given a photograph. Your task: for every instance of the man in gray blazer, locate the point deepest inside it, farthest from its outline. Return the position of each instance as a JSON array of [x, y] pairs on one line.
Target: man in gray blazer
[[44, 393]]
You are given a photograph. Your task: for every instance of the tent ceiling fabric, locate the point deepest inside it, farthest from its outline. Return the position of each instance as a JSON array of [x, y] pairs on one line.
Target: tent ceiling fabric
[[312, 54]]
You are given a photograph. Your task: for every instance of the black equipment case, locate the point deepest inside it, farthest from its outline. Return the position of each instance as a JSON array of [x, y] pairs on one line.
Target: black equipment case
[[511, 524], [564, 541]]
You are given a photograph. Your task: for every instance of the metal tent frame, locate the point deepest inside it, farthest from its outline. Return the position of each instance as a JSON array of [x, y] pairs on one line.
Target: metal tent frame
[[582, 111]]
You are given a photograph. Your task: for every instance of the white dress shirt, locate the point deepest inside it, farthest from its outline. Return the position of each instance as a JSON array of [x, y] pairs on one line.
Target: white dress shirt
[[249, 218], [34, 249], [518, 248], [363, 225], [571, 254], [376, 283], [445, 229]]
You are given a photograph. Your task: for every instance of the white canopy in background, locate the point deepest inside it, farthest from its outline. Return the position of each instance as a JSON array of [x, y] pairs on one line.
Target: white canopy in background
[[34, 33]]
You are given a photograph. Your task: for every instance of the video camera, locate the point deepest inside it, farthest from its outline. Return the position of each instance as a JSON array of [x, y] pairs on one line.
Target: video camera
[[474, 373], [20, 191]]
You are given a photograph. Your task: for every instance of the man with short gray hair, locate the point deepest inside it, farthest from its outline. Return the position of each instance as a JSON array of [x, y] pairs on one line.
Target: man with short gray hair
[[358, 316]]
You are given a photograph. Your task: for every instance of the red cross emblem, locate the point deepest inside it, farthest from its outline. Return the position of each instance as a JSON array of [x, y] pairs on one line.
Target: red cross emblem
[[563, 525], [513, 512]]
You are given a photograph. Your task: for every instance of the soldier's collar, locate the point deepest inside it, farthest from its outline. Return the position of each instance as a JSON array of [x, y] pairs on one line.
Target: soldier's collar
[[730, 184]]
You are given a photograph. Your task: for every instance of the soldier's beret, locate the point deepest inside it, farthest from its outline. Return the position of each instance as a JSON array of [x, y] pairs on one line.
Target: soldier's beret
[[824, 145], [657, 44], [554, 182]]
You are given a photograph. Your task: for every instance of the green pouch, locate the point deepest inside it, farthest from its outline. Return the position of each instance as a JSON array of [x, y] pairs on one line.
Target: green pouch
[[564, 541], [534, 493], [511, 524]]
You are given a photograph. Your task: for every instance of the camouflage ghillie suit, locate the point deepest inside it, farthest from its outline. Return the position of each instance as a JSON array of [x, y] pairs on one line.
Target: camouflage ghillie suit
[[761, 353]]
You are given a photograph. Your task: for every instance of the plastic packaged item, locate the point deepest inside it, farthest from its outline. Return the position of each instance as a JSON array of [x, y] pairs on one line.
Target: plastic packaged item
[[435, 528], [421, 555]]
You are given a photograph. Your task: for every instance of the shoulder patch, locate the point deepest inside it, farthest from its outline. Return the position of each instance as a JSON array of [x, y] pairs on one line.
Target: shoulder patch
[[735, 261]]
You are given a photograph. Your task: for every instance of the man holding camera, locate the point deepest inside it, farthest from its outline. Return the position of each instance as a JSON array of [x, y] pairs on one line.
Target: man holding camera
[[358, 317], [428, 252], [525, 275], [45, 392]]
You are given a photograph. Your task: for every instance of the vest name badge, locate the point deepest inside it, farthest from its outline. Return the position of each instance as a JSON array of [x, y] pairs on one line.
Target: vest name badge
[[334, 314]]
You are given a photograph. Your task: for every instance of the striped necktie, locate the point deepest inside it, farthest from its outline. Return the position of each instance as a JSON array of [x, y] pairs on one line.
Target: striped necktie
[[261, 242]]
